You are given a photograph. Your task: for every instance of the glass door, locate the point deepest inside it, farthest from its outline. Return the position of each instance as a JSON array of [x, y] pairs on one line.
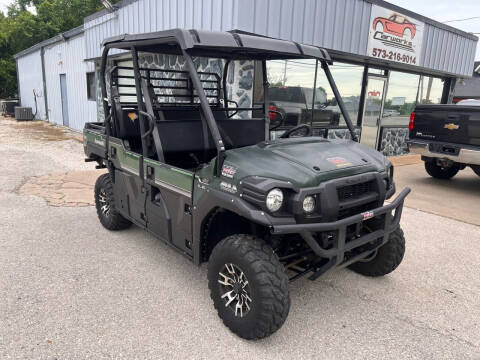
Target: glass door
[[372, 110]]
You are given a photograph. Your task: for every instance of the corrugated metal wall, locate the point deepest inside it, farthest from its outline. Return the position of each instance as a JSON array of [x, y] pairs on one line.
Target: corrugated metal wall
[[446, 51], [338, 25], [154, 15], [67, 58], [30, 79], [321, 23]]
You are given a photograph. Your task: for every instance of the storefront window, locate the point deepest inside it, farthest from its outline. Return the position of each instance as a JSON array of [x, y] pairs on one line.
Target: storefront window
[[430, 91], [401, 98], [291, 88]]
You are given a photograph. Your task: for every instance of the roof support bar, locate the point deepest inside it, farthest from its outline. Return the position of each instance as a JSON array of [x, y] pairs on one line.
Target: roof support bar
[[340, 102], [106, 116], [141, 105], [207, 112]]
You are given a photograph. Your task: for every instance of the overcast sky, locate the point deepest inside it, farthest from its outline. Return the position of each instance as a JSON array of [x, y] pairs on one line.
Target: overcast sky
[[440, 10]]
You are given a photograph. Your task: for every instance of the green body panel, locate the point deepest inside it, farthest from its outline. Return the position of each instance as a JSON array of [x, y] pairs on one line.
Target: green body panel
[[177, 178], [305, 162]]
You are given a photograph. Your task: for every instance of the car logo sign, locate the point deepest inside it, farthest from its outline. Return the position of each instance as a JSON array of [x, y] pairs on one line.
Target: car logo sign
[[451, 126]]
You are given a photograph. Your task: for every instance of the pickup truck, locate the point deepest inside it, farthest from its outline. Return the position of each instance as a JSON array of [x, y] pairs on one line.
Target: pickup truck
[[447, 136], [295, 104]]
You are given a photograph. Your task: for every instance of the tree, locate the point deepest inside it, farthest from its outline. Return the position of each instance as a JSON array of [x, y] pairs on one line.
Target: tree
[[22, 28]]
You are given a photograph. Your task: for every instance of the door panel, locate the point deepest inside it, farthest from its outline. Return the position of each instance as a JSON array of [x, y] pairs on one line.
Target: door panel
[[168, 204], [372, 111], [129, 197]]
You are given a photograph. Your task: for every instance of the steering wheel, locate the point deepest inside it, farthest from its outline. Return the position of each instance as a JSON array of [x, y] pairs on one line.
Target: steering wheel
[[293, 130]]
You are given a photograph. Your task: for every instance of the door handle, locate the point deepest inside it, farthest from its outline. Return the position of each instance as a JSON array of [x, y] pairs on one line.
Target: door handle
[[150, 172]]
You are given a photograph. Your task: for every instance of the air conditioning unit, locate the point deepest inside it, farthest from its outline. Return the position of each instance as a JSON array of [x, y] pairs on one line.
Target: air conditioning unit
[[23, 113], [7, 107]]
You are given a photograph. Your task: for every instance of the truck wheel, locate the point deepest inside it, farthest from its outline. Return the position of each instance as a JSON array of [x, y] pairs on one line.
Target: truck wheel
[[248, 286], [387, 259], [439, 172], [105, 204], [476, 169]]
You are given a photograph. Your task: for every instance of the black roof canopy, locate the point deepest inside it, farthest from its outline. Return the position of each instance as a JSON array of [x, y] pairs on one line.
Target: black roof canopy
[[229, 45]]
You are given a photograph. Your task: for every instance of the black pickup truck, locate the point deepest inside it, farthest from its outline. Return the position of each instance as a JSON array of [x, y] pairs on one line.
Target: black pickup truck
[[447, 136]]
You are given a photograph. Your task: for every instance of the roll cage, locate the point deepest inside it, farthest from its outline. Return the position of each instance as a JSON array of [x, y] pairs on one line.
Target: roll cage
[[234, 45]]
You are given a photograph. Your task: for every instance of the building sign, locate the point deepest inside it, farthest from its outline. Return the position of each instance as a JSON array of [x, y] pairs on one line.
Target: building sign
[[398, 100], [394, 37]]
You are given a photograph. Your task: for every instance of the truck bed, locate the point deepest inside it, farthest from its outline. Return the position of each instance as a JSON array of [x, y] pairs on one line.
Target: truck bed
[[454, 124]]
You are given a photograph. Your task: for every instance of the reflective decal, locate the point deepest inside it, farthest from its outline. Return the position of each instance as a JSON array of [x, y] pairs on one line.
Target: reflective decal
[[231, 188]]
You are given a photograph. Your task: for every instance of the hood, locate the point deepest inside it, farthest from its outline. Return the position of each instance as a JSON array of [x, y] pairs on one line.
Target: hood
[[305, 162]]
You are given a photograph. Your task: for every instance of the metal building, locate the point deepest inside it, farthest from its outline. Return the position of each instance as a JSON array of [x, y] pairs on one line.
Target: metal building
[[55, 71], [387, 59]]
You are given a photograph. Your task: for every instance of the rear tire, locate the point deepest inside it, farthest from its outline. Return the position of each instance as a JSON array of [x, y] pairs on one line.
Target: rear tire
[[248, 286], [387, 259], [476, 169], [105, 204], [439, 172]]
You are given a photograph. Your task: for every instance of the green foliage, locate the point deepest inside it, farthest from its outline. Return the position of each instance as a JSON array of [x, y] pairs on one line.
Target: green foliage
[[29, 22]]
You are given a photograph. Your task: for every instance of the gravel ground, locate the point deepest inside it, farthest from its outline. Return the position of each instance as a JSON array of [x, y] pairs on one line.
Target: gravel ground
[[69, 289]]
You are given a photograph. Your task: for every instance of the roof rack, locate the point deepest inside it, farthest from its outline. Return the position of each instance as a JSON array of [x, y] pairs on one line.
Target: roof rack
[[229, 45]]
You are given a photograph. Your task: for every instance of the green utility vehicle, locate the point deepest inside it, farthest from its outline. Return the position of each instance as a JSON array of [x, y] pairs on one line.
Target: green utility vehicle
[[214, 186]]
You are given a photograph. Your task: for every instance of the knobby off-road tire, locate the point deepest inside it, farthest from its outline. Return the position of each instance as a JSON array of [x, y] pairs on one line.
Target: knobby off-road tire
[[388, 257], [255, 273], [439, 172], [476, 169], [105, 204]]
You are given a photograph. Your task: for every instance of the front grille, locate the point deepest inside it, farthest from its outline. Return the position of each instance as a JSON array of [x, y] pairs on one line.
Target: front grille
[[344, 213], [354, 191]]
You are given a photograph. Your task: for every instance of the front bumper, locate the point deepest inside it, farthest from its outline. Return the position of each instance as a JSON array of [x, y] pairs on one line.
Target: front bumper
[[456, 153], [336, 253]]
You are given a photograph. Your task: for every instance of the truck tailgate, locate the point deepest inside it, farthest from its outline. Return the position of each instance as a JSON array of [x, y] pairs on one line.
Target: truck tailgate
[[457, 124]]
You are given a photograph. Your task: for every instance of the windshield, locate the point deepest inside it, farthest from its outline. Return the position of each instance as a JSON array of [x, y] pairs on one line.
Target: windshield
[[292, 89]]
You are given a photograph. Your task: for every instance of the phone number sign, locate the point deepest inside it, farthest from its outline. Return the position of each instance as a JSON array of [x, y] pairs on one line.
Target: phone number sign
[[394, 37]]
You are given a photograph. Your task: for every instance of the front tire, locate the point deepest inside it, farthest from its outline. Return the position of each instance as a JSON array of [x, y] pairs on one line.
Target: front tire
[[248, 286], [439, 172], [387, 259], [105, 204]]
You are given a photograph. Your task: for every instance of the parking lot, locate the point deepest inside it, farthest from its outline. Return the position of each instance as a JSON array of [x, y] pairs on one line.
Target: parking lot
[[71, 289]]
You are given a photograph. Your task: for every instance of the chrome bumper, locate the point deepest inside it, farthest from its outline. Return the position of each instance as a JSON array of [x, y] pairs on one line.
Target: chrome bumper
[[464, 156]]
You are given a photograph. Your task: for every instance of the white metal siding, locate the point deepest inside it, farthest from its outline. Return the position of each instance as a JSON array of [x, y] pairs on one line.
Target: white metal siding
[[155, 15], [338, 25], [67, 58], [29, 69]]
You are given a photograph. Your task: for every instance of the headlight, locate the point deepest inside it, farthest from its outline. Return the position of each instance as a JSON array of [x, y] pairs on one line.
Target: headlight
[[309, 204], [274, 199]]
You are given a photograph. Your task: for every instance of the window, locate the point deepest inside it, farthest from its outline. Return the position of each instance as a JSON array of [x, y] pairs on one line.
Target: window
[[431, 90], [91, 87], [401, 98]]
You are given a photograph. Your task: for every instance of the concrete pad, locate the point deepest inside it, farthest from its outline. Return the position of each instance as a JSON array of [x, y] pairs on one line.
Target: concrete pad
[[407, 159], [457, 198]]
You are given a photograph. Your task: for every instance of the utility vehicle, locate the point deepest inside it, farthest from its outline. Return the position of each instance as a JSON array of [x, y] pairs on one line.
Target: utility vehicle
[[217, 189]]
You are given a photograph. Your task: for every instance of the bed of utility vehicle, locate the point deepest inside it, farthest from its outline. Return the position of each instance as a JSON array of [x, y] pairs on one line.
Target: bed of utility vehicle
[[215, 187]]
